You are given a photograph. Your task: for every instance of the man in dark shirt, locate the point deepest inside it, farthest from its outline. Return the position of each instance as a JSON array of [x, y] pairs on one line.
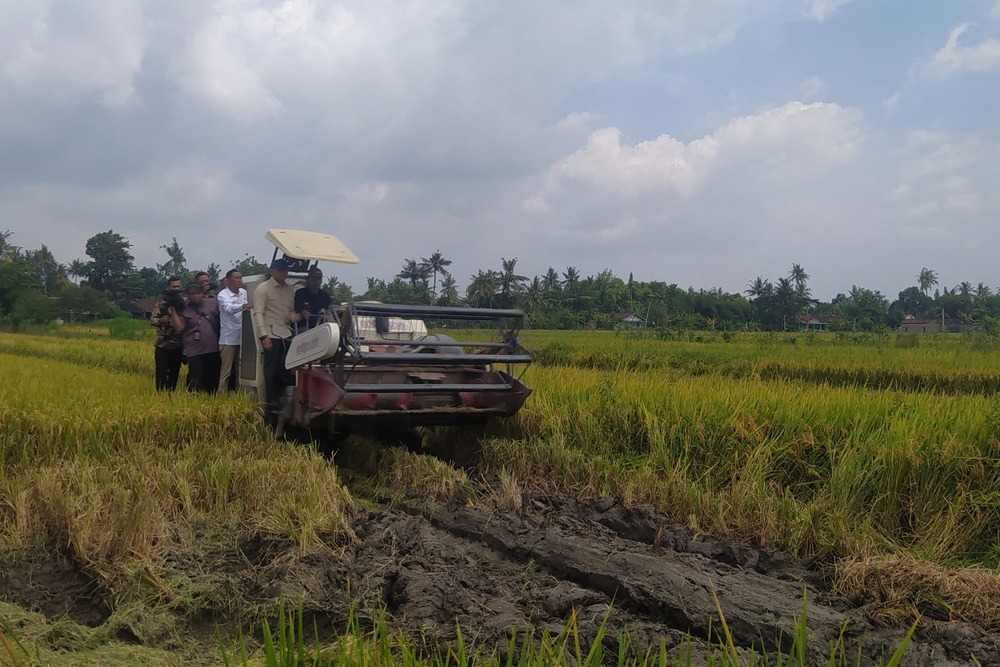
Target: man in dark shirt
[[199, 327], [312, 300]]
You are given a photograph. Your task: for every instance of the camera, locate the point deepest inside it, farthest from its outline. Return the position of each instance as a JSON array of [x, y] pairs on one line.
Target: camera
[[172, 299]]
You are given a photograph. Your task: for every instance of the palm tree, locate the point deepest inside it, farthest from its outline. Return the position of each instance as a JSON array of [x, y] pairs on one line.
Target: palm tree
[[570, 277], [510, 282], [787, 301], [77, 269], [551, 280], [376, 289], [7, 249], [436, 264], [413, 272], [175, 264], [482, 289], [534, 295], [449, 291], [758, 287], [799, 277], [926, 279]]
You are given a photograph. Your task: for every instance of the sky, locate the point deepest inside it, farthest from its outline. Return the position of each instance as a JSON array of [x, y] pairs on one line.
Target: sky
[[696, 142]]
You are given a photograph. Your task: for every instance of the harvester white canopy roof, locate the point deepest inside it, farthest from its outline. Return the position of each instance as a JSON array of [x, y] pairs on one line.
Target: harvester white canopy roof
[[315, 246]]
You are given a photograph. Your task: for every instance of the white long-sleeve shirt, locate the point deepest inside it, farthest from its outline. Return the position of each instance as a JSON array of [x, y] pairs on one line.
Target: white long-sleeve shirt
[[231, 315]]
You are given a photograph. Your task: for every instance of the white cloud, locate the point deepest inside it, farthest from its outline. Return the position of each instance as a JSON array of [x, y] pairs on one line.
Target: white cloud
[[754, 176], [785, 142], [821, 10], [954, 58]]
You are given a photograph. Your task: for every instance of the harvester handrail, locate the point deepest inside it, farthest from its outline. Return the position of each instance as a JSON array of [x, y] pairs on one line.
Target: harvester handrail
[[433, 342], [432, 312], [372, 358]]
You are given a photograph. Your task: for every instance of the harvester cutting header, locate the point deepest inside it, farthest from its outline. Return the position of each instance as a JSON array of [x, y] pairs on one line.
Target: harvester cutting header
[[367, 366]]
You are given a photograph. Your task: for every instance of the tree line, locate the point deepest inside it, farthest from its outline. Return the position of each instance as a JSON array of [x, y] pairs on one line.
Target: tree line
[[35, 287]]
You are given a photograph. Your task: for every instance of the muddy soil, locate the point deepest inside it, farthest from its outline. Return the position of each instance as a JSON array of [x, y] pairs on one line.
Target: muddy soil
[[432, 568]]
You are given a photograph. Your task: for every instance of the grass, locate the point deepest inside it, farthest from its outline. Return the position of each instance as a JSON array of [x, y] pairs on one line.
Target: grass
[[290, 643]]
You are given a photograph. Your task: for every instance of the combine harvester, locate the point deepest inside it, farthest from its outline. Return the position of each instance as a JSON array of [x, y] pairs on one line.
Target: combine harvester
[[375, 368]]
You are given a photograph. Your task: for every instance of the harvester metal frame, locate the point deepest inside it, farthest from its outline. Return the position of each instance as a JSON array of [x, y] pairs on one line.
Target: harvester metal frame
[[373, 365]]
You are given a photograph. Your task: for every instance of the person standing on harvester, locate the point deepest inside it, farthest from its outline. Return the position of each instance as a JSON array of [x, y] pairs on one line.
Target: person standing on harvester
[[273, 314]]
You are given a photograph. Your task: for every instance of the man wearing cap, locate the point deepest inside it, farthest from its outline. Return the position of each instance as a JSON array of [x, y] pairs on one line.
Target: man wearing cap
[[273, 314]]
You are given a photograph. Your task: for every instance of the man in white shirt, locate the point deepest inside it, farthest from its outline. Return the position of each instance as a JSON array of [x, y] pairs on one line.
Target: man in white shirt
[[232, 303]]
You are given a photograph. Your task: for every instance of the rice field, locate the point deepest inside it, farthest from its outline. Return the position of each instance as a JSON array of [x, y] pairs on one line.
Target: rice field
[[832, 448]]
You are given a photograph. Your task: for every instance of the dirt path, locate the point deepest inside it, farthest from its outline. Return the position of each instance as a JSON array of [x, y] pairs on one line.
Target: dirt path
[[434, 567]]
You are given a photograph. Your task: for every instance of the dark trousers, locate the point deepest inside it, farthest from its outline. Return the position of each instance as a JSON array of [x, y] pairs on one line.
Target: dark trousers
[[168, 367], [276, 378], [203, 372]]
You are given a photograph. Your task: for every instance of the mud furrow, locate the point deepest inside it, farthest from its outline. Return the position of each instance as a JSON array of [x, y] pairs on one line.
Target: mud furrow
[[662, 585], [669, 592]]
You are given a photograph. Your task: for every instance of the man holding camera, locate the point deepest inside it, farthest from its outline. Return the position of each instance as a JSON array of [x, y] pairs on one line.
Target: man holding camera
[[168, 346], [199, 327]]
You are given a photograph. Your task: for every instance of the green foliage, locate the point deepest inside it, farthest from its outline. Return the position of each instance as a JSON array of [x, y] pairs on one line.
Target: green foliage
[[16, 277], [84, 303], [248, 266], [111, 263], [33, 307]]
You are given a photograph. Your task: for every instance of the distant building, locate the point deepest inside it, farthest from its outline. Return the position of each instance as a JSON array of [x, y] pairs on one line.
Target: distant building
[[933, 325], [813, 322], [629, 320], [140, 309]]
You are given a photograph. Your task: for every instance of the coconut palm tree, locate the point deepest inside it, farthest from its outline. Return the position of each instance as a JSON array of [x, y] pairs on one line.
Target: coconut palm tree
[[551, 280], [77, 269], [534, 295], [482, 289], [570, 277], [436, 264], [758, 287], [413, 272], [926, 279], [510, 282], [799, 278], [7, 249], [176, 262], [449, 291]]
